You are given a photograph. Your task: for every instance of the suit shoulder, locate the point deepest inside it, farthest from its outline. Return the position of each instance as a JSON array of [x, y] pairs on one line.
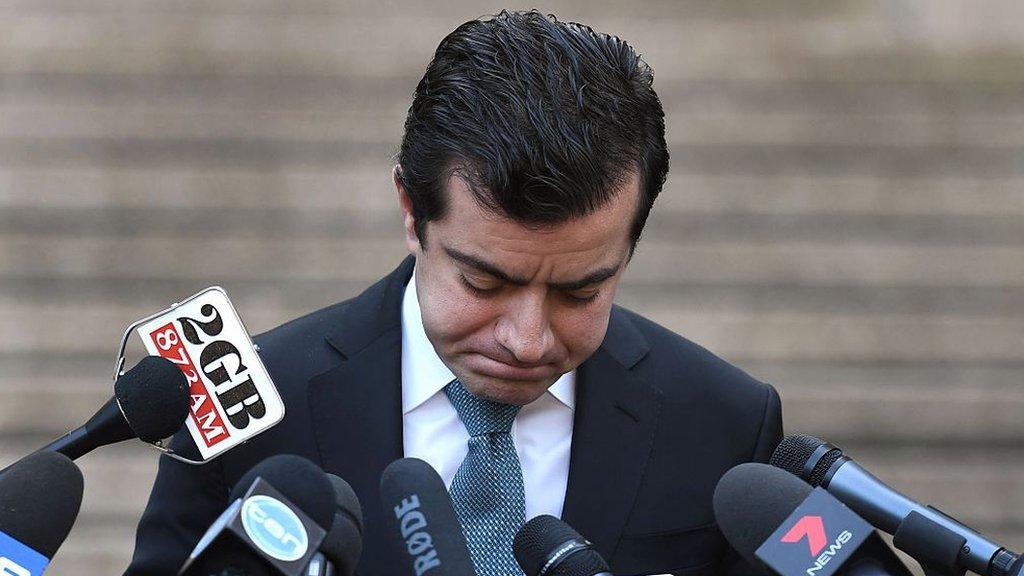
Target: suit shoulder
[[300, 345], [682, 369]]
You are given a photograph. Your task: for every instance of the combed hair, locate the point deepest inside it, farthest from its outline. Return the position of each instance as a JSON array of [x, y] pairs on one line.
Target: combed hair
[[544, 120]]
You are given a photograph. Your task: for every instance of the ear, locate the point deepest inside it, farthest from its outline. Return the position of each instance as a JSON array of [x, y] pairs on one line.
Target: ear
[[412, 242]]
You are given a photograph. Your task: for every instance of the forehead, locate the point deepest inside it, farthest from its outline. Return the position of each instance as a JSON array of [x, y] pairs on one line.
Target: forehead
[[599, 238]]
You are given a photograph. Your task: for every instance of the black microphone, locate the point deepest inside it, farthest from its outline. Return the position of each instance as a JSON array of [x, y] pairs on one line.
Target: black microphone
[[343, 544], [150, 402], [420, 520], [39, 501], [546, 546], [930, 536], [278, 515], [779, 523]]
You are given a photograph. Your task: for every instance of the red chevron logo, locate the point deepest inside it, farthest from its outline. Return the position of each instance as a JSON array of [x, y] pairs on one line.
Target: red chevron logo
[[811, 527]]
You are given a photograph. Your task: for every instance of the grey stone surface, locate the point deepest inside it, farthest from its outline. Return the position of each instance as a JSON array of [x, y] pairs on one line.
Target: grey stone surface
[[844, 217]]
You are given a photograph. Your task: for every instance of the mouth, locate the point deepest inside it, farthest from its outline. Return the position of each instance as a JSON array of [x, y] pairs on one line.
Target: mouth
[[516, 372]]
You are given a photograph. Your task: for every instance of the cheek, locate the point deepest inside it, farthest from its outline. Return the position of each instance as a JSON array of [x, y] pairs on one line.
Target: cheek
[[450, 315], [582, 331]]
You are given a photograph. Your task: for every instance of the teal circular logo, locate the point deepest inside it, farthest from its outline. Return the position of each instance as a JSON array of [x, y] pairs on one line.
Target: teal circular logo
[[274, 528]]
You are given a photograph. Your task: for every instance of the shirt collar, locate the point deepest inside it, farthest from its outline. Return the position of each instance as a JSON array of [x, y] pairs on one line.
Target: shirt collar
[[423, 372]]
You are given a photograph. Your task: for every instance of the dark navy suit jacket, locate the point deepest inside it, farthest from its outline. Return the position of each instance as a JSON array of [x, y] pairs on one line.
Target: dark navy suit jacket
[[658, 421]]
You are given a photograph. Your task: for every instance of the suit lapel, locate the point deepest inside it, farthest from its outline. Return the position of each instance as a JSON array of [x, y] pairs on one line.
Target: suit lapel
[[356, 407], [613, 433]]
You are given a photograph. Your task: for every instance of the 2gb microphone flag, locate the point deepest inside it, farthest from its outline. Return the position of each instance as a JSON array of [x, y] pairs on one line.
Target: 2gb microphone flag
[[232, 395]]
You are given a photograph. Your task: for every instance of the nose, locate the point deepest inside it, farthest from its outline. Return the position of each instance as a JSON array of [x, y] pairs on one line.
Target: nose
[[525, 330]]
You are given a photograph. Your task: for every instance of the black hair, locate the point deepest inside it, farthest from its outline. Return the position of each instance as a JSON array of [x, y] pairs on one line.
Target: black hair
[[544, 120]]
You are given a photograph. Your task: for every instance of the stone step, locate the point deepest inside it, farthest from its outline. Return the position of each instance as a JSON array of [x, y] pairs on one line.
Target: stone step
[[360, 223], [96, 547], [368, 188], [257, 44], [198, 123], [850, 160], [292, 294], [67, 328], [201, 121], [230, 260], [877, 411], [93, 370], [118, 477], [358, 91], [694, 9]]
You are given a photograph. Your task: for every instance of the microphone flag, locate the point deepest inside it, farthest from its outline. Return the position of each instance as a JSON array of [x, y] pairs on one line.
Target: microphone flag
[[817, 538], [232, 397]]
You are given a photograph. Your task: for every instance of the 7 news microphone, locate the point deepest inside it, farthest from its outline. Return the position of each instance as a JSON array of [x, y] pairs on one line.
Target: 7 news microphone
[[39, 501], [936, 540], [150, 402], [286, 517], [779, 523]]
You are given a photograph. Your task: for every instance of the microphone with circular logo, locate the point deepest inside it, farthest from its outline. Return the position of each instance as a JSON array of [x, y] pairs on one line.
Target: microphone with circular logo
[[279, 514]]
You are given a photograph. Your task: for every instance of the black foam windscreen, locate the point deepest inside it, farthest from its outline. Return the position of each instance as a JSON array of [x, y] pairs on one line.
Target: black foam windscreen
[[154, 398], [415, 497], [40, 496], [343, 543], [537, 541], [751, 501], [302, 482], [347, 501], [793, 453]]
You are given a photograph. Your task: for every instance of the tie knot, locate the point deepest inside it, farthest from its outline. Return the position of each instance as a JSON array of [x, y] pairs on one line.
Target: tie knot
[[480, 416]]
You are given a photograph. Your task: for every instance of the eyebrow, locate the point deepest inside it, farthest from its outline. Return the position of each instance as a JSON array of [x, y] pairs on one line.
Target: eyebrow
[[592, 278]]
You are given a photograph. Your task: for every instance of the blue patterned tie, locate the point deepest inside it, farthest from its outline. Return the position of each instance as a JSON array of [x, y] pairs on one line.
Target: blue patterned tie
[[488, 487]]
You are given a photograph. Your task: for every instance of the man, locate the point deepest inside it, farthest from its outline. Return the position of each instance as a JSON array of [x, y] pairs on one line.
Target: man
[[533, 153]]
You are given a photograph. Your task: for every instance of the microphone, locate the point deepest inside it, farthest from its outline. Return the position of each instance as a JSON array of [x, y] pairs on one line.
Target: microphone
[[150, 402], [930, 536], [343, 544], [39, 500], [777, 522], [546, 546], [420, 520], [274, 524]]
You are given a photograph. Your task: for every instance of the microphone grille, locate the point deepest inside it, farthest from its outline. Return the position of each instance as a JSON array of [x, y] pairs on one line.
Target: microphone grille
[[538, 538], [794, 453], [154, 398]]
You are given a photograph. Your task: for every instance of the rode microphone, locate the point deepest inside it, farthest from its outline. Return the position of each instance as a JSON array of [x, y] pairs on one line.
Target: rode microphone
[[546, 546], [150, 402], [776, 521], [420, 520], [936, 540], [39, 500], [276, 519]]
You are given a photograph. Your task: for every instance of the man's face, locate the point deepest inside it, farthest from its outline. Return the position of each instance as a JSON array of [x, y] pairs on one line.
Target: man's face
[[510, 308]]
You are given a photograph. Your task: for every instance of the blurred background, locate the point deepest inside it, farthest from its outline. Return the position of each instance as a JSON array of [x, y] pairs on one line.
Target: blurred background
[[844, 216]]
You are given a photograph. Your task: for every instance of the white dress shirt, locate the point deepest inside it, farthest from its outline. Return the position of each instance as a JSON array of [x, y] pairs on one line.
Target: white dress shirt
[[432, 431]]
